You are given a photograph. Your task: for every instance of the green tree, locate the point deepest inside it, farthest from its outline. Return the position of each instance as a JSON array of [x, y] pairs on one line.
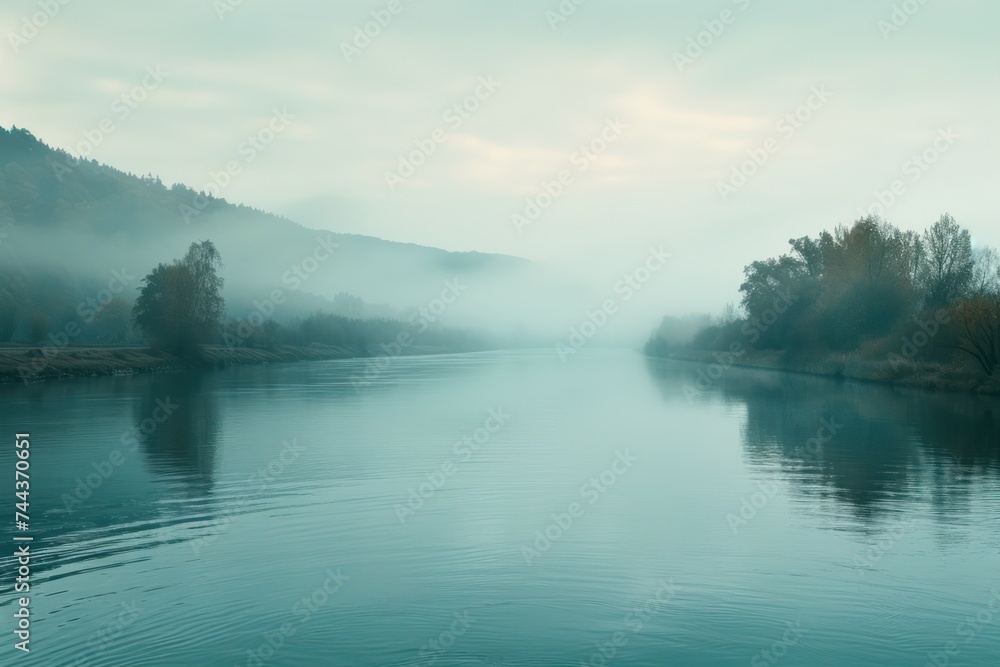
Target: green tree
[[776, 293], [180, 305]]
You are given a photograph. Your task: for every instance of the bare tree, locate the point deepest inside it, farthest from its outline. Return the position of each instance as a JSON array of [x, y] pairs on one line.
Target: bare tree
[[947, 269], [985, 272], [729, 315], [978, 325]]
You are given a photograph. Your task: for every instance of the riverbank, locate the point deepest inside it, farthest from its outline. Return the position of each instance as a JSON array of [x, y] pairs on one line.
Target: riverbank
[[32, 364], [915, 374]]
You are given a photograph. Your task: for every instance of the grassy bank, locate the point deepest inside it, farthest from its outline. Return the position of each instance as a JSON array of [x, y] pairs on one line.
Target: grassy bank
[[923, 375], [39, 363]]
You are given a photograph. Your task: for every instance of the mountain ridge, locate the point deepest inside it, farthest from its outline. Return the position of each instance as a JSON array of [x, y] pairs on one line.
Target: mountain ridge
[[18, 142], [66, 224]]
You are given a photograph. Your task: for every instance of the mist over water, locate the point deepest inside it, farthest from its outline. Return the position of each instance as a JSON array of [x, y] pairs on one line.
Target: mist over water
[[517, 509], [524, 334]]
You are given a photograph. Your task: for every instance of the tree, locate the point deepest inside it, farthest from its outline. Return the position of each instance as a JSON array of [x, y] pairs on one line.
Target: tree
[[180, 305], [977, 319], [867, 282], [812, 253], [769, 291], [729, 315], [985, 272], [948, 265], [870, 252], [978, 324], [208, 307], [113, 324]]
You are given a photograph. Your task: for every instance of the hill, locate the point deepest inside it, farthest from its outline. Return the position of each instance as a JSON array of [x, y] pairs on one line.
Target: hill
[[73, 230]]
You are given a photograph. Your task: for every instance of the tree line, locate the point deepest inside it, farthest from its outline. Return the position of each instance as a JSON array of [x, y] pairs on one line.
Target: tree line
[[180, 308], [866, 289]]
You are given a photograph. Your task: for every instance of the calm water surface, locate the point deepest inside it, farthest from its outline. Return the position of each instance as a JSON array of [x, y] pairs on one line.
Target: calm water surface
[[505, 509]]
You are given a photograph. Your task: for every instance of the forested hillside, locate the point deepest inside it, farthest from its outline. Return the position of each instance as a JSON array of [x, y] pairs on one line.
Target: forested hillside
[[76, 238]]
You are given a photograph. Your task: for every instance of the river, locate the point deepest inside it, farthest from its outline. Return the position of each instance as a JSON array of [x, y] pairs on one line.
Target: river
[[504, 509]]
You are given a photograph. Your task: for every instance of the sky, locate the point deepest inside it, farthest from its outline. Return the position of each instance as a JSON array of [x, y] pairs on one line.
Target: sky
[[715, 130]]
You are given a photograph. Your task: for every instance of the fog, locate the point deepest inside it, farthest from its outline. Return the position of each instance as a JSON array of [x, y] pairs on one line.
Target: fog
[[285, 272], [566, 143], [648, 332]]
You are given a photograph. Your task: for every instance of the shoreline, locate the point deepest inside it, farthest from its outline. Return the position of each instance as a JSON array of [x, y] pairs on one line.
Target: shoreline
[[29, 364], [910, 374]]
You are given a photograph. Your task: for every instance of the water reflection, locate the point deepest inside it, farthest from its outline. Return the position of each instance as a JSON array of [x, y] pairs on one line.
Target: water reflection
[[114, 462], [186, 519], [891, 444], [177, 422]]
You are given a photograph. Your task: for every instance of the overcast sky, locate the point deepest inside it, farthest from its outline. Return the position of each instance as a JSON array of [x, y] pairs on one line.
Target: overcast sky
[[679, 127]]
